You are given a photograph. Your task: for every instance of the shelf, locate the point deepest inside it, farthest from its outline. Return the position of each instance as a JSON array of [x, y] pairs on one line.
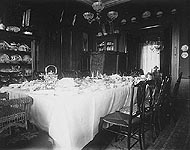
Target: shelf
[[14, 69], [15, 34], [19, 63], [10, 72], [13, 51], [116, 35], [106, 43]]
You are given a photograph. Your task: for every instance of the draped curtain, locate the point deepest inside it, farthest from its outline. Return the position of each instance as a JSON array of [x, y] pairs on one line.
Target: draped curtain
[[149, 58]]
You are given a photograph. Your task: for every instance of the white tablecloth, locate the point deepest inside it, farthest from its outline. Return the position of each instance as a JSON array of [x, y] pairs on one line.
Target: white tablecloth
[[70, 118]]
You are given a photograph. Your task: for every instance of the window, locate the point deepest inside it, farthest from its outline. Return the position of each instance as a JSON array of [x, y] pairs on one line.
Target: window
[[150, 57]]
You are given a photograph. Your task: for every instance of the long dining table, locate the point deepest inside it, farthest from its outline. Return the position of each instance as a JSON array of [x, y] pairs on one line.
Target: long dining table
[[71, 117]]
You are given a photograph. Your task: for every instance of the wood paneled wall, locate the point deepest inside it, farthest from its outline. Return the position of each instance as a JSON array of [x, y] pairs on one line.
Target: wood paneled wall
[[61, 42]]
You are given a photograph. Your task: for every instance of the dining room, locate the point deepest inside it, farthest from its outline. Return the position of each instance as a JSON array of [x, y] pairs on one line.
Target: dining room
[[69, 68]]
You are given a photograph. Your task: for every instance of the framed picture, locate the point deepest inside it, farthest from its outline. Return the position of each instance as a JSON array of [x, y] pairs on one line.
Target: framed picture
[[85, 41]]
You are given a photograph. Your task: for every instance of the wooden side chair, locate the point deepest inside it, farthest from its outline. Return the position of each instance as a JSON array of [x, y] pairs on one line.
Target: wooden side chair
[[152, 119], [128, 124], [176, 86], [172, 99], [14, 112], [155, 106]]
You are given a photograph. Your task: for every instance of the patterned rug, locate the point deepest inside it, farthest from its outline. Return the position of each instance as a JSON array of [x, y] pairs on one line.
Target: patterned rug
[[122, 144], [33, 138], [22, 137], [180, 136]]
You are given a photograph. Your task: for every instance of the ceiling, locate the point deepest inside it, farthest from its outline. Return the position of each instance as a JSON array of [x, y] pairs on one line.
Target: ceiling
[[107, 3]]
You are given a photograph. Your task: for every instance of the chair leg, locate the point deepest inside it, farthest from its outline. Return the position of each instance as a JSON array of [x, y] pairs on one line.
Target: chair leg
[[100, 125], [159, 121], [152, 126], [26, 125], [173, 116], [154, 132], [143, 130], [10, 132], [141, 139], [128, 142]]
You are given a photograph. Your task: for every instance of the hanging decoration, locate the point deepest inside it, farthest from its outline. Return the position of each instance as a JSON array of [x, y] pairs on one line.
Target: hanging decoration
[[156, 46], [98, 7]]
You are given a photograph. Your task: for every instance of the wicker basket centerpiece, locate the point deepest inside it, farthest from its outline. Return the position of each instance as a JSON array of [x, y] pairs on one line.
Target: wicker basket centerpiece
[[50, 76]]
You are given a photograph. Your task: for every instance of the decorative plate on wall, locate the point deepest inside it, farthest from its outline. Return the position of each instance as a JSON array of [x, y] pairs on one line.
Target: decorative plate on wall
[[173, 11], [123, 21], [146, 14], [159, 13], [133, 19], [184, 55], [184, 48]]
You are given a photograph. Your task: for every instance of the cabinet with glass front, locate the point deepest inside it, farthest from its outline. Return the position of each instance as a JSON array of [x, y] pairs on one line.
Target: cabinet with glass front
[[106, 43]]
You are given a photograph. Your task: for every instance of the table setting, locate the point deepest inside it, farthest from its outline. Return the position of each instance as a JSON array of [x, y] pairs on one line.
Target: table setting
[[69, 108]]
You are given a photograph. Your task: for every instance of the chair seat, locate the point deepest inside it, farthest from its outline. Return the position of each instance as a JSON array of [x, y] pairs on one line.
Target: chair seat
[[129, 120], [121, 119]]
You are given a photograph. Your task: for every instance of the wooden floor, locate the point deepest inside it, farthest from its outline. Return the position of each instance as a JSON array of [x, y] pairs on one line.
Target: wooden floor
[[174, 136]]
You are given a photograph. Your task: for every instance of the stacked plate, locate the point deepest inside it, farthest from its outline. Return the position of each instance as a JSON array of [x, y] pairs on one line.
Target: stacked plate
[[16, 58], [4, 58], [13, 29], [27, 59]]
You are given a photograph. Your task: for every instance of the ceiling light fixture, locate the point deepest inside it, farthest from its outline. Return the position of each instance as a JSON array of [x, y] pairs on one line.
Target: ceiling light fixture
[[98, 7]]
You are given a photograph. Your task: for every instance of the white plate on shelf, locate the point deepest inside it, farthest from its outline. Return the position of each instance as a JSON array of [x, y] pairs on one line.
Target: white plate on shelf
[[13, 28], [4, 58]]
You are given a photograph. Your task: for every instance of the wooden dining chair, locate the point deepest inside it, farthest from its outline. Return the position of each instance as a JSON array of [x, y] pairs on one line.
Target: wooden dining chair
[[172, 97], [152, 119], [176, 86], [149, 121], [155, 107], [128, 124], [14, 112]]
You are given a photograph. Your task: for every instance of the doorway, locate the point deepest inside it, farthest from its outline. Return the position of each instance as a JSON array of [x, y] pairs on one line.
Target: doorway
[[149, 48]]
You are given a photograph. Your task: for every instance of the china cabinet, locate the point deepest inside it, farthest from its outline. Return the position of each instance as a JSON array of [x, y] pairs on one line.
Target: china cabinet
[[107, 43], [106, 58], [17, 57]]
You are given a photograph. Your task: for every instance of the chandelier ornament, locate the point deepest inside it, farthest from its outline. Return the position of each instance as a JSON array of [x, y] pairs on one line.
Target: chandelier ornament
[[156, 46], [112, 15], [98, 7]]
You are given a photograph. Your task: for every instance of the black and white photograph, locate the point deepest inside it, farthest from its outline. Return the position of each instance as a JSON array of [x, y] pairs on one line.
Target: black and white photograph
[[94, 75]]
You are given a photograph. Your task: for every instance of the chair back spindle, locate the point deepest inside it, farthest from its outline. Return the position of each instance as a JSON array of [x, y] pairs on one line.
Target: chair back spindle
[[176, 86]]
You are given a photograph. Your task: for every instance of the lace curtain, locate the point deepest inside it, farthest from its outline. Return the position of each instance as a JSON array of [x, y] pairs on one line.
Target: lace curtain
[[149, 57]]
